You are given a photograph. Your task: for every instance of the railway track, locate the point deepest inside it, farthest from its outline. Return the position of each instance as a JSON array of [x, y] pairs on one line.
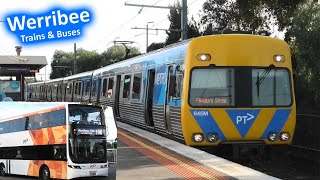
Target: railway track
[[300, 160]]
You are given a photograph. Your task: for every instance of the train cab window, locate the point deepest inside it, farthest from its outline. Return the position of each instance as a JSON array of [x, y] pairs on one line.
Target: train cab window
[[104, 87], [126, 86], [136, 86], [212, 87], [110, 87], [271, 88]]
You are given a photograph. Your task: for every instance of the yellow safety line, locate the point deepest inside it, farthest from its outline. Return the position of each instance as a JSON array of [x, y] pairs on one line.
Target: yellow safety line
[[199, 172]]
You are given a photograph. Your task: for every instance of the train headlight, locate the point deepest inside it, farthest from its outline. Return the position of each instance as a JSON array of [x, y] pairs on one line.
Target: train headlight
[[197, 137], [272, 136], [203, 57], [284, 136], [278, 58], [212, 137]]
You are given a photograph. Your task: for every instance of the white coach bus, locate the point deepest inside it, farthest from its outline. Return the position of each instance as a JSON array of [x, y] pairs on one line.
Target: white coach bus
[[57, 140]]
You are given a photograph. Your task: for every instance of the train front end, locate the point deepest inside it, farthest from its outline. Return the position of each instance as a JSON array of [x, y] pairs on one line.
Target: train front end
[[238, 89]]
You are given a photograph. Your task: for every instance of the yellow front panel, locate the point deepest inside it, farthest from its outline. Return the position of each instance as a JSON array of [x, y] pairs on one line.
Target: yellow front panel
[[231, 123]]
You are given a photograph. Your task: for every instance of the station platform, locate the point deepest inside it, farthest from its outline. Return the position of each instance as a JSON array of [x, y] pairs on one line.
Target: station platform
[[144, 155]]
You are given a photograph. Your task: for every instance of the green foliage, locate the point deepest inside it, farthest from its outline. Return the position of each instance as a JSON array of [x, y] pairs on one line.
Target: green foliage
[[304, 36], [175, 23], [219, 16], [62, 63], [282, 10], [155, 46]]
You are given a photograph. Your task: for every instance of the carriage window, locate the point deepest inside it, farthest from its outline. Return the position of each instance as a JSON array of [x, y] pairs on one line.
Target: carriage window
[[136, 86], [79, 89], [88, 84], [104, 87], [179, 80], [70, 88], [126, 86], [76, 88], [110, 88], [94, 87]]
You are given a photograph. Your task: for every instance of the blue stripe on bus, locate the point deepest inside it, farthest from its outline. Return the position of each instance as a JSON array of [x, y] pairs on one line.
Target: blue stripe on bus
[[277, 122], [207, 122]]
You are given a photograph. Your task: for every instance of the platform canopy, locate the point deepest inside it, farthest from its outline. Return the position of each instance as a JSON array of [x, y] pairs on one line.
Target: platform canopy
[[21, 65]]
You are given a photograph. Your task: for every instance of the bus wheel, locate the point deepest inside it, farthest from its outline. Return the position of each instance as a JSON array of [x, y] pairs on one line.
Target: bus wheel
[[2, 172], [44, 173]]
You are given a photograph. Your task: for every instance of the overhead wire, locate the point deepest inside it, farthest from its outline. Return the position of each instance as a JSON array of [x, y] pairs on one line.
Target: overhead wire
[[124, 24]]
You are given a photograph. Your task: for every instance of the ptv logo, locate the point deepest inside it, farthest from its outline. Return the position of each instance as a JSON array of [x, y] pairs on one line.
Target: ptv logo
[[243, 119]]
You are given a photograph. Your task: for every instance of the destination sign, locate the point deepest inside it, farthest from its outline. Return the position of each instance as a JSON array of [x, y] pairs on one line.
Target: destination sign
[[91, 132]]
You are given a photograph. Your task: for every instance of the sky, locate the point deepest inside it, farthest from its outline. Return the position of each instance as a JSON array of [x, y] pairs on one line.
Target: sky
[[113, 21]]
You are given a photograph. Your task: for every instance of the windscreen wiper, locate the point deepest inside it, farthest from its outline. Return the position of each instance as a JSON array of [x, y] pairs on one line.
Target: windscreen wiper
[[265, 73]]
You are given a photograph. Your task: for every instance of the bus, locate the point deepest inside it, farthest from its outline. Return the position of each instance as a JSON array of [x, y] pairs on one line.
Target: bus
[[57, 140], [206, 91]]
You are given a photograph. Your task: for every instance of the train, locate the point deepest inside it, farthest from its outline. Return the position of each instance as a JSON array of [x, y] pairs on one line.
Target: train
[[203, 92]]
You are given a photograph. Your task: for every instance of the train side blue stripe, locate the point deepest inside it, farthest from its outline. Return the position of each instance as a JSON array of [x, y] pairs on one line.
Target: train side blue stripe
[[207, 122], [277, 122]]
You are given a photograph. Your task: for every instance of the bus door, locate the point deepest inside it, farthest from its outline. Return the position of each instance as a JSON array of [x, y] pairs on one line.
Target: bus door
[[116, 97], [149, 98], [167, 122]]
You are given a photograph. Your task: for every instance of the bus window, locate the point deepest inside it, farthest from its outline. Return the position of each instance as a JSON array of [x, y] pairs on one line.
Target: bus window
[[85, 115], [136, 86]]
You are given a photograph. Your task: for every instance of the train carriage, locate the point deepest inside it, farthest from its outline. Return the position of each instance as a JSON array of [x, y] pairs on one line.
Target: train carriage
[[203, 92]]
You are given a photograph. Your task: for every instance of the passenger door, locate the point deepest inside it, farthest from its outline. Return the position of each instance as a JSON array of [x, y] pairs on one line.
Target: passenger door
[[149, 98], [116, 98], [167, 122]]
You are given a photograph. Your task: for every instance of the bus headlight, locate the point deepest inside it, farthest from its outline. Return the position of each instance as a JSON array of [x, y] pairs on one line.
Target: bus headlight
[[272, 136], [284, 136], [212, 137], [74, 167], [197, 137], [278, 58]]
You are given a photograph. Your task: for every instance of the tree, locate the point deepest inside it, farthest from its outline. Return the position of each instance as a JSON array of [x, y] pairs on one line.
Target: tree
[[118, 53], [283, 11], [175, 23], [61, 64], [234, 15], [88, 60], [155, 46], [305, 44]]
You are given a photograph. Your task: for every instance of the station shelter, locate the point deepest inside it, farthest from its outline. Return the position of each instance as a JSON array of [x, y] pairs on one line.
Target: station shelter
[[17, 68]]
